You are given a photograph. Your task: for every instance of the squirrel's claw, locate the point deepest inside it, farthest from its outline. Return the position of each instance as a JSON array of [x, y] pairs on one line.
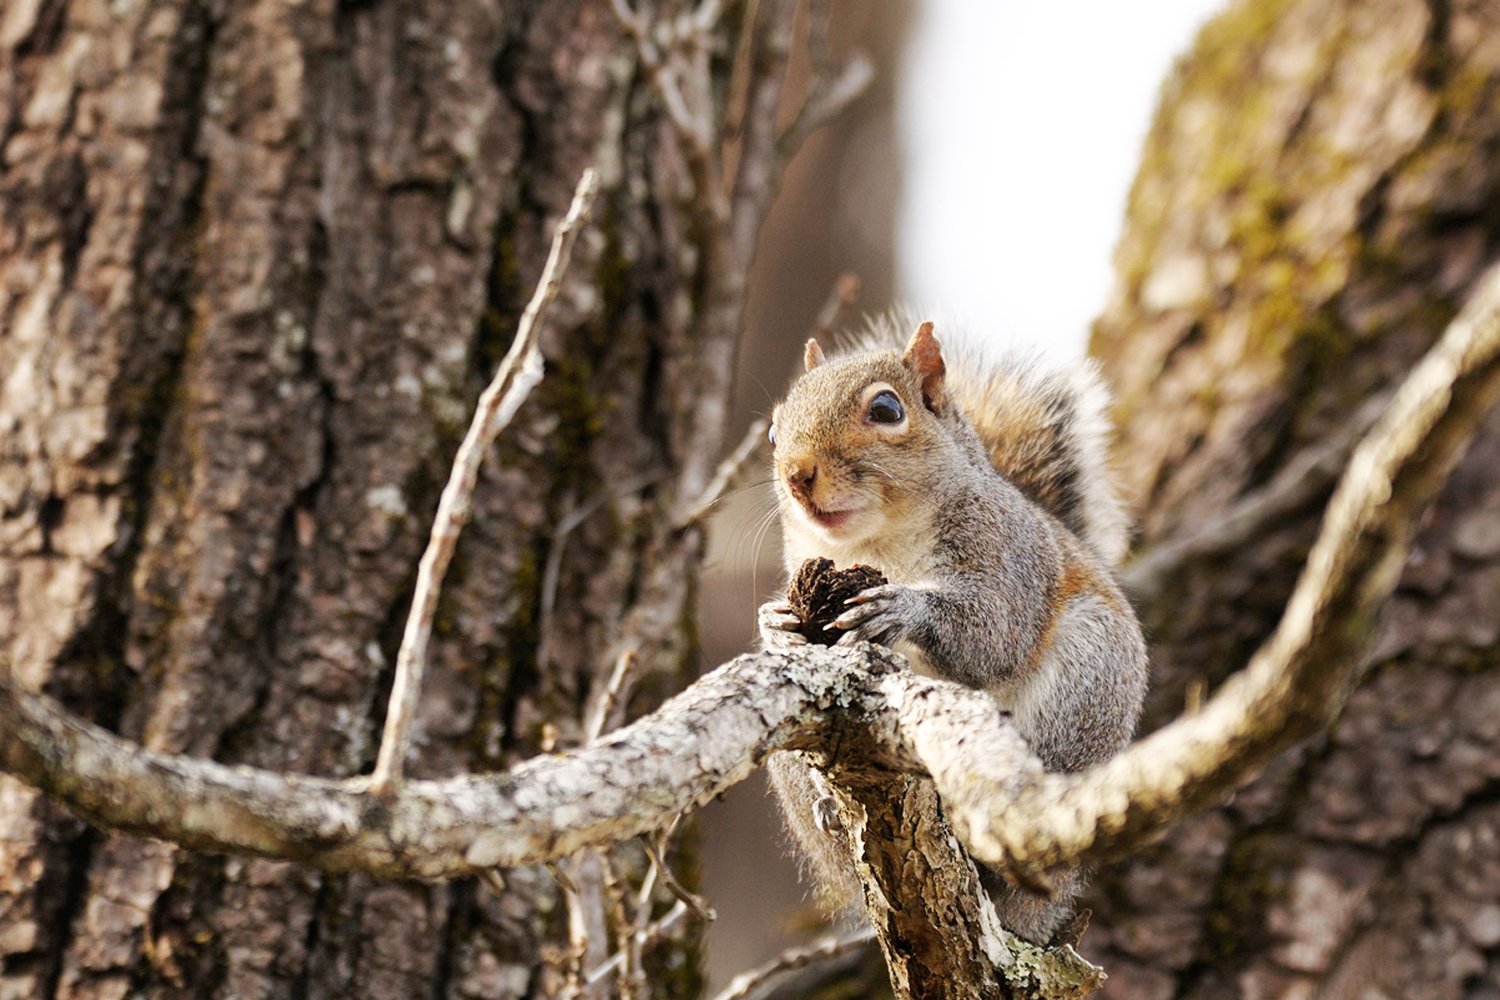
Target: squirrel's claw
[[826, 816], [825, 811], [779, 626], [874, 615]]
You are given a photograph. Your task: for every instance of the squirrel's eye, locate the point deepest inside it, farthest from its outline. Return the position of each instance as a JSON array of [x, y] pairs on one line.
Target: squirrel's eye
[[886, 408], [771, 435]]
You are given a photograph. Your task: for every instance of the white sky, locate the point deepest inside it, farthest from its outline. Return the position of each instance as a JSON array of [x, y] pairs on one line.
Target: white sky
[[1022, 124]]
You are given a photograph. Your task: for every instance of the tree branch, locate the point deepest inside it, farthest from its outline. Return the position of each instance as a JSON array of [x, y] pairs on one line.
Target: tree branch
[[1295, 683], [751, 985], [700, 743], [859, 700], [520, 370], [1308, 477]]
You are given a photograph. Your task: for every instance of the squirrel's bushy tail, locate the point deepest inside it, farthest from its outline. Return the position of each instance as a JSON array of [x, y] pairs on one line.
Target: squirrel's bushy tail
[[1044, 426]]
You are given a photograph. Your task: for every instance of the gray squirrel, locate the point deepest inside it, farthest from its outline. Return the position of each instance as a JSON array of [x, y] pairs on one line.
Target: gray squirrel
[[981, 489]]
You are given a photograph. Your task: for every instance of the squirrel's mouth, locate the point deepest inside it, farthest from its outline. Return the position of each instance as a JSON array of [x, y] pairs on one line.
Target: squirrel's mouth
[[830, 520]]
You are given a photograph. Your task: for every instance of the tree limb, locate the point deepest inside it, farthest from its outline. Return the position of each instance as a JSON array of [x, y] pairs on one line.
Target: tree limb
[[1003, 806], [700, 743], [1297, 681]]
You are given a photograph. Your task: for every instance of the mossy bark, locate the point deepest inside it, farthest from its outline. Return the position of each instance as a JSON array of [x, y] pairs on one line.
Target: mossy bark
[[1316, 198], [257, 260]]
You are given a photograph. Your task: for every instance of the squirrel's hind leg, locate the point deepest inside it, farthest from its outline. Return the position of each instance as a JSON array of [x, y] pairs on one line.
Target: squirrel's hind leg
[[1032, 916], [807, 806]]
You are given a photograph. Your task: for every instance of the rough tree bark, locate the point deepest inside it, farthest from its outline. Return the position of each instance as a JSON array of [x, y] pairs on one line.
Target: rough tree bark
[[256, 260], [1316, 198]]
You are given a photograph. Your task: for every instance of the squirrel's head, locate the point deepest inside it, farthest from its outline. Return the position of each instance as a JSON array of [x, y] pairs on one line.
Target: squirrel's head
[[850, 436]]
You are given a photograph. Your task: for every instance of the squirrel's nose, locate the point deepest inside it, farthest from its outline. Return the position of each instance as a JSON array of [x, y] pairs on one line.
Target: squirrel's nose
[[801, 478]]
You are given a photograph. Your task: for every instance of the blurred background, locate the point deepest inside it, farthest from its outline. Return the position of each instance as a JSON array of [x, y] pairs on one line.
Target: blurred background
[[1008, 227]]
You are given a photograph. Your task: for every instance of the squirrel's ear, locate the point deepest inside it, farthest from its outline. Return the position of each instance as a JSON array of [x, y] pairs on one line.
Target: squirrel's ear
[[812, 357], [924, 359]]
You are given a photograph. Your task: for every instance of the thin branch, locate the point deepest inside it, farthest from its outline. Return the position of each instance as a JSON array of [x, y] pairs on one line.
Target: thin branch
[[601, 710], [727, 250], [693, 125], [519, 371], [578, 931], [662, 79], [692, 901], [819, 51], [552, 570], [570, 522], [563, 879], [631, 981], [647, 938], [734, 463], [739, 74], [1304, 480], [706, 17], [842, 297], [826, 101], [748, 985]]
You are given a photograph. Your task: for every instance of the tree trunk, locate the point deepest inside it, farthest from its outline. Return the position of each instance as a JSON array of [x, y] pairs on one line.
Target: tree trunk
[[1316, 198], [257, 260]]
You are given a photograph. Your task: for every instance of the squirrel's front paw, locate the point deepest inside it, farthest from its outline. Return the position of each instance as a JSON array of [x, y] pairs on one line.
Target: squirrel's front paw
[[779, 626], [880, 615]]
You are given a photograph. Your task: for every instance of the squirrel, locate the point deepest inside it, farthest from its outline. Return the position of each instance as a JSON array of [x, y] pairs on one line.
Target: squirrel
[[981, 489]]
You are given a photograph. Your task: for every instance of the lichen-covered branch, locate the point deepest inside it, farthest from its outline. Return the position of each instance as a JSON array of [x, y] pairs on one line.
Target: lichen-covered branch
[[1004, 808], [1296, 682], [697, 745]]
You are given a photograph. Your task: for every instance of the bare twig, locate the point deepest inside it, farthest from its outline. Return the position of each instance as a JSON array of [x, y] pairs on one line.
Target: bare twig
[[643, 898], [631, 980], [588, 916], [578, 933], [832, 88], [842, 297], [563, 878], [748, 985], [688, 126], [552, 570], [739, 73], [734, 463], [519, 371], [726, 253], [1305, 479], [819, 51], [692, 901], [826, 101], [602, 707], [647, 938], [706, 17], [691, 119]]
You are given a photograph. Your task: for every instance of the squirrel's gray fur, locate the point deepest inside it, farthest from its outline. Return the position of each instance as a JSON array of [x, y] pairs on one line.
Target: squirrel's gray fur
[[991, 511]]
